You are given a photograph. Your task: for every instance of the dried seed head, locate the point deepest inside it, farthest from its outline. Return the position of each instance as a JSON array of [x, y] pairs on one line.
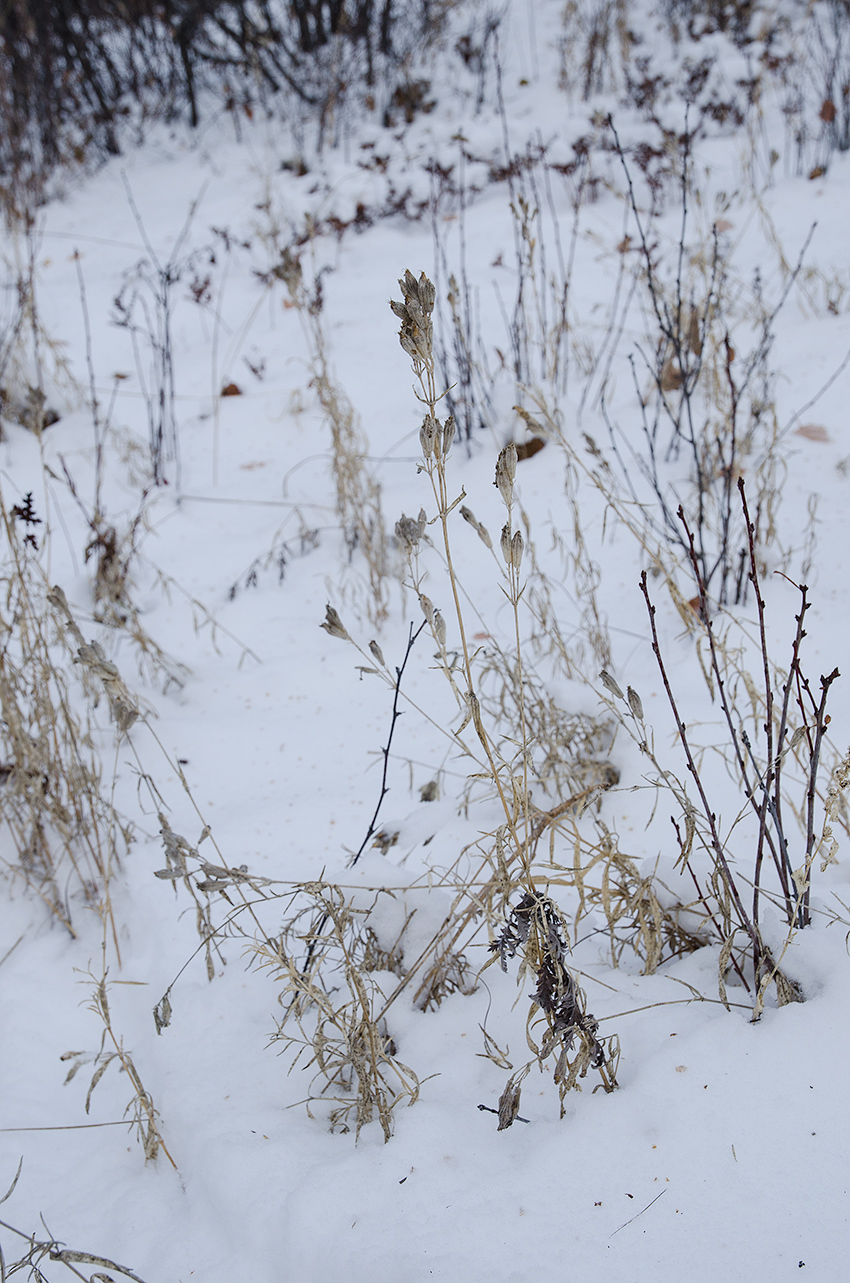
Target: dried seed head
[[448, 434], [409, 531], [634, 703], [610, 685], [427, 608], [516, 550], [416, 333], [334, 625], [421, 292], [505, 473], [428, 435], [608, 681], [481, 531], [475, 710], [440, 629], [505, 543], [376, 651]]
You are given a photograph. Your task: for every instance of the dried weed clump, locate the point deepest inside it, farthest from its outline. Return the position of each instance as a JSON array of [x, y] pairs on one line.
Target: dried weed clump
[[336, 1002], [502, 710], [39, 1250], [358, 495], [64, 833]]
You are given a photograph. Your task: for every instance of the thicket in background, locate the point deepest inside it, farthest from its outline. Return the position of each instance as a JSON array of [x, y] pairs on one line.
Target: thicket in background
[[74, 74]]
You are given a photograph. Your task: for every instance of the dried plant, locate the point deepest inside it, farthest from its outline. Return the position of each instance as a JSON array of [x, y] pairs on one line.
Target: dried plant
[[358, 495], [64, 832], [789, 718], [708, 402], [141, 1112], [537, 928], [42, 1251], [335, 1002]]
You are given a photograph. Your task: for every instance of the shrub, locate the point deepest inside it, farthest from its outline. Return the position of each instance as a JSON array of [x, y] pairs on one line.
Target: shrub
[[73, 74]]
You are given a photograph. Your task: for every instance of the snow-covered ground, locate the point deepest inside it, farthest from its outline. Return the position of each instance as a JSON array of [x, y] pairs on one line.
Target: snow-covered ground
[[722, 1154]]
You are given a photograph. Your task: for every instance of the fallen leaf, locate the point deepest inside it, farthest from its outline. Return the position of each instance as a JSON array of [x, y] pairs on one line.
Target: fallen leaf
[[812, 432], [817, 172], [526, 449], [231, 389], [671, 376]]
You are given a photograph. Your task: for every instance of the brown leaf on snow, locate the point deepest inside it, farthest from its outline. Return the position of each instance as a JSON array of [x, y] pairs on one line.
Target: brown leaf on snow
[[527, 449], [812, 432], [231, 389], [671, 376]]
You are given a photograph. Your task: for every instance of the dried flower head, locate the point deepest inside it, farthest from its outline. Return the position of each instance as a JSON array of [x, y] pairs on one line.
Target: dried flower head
[[506, 472], [409, 531], [333, 624], [417, 332]]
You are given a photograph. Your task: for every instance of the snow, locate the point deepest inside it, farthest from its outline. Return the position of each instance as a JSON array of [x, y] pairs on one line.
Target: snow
[[722, 1155]]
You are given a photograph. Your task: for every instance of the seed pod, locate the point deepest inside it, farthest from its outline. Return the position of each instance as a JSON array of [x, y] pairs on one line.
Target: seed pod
[[516, 550], [610, 685], [334, 625], [440, 629], [416, 333], [481, 531], [505, 544], [427, 608], [448, 434], [376, 651], [505, 473], [634, 703], [428, 435], [475, 709], [407, 532]]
